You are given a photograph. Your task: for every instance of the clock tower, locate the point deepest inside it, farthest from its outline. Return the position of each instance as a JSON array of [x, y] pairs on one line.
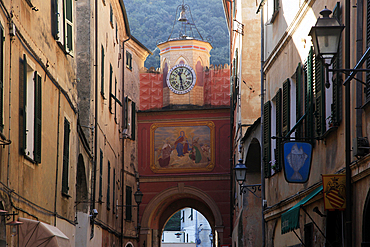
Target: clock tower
[[182, 61]]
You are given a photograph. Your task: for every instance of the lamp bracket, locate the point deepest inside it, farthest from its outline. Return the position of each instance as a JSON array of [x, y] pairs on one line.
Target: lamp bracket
[[251, 188]]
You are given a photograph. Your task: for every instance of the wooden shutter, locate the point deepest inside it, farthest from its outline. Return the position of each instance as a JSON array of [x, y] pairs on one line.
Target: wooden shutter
[[2, 40], [23, 101], [299, 99], [115, 101], [110, 88], [102, 71], [101, 177], [108, 189], [336, 107], [133, 120], [125, 122], [278, 153], [319, 97], [38, 119], [69, 25], [286, 107], [267, 138], [128, 203], [65, 172], [309, 97], [54, 19]]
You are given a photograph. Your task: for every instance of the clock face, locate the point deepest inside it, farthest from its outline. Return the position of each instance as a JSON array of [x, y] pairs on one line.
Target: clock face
[[181, 78]]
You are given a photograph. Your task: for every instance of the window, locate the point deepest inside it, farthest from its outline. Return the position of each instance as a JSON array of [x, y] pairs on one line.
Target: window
[[276, 130], [101, 177], [111, 16], [128, 60], [110, 88], [267, 138], [65, 175], [62, 21], [299, 99], [102, 72], [108, 189], [31, 111], [2, 41], [130, 118], [114, 190], [272, 9], [308, 235], [128, 203]]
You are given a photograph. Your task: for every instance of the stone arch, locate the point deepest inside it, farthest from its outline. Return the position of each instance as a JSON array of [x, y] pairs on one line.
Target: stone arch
[[169, 201], [81, 185], [366, 222], [253, 156]]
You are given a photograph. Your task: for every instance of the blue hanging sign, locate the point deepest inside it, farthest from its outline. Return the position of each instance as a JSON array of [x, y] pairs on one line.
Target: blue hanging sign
[[297, 161]]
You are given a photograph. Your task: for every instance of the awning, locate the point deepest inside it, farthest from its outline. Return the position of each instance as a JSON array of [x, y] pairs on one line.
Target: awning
[[290, 219], [36, 233]]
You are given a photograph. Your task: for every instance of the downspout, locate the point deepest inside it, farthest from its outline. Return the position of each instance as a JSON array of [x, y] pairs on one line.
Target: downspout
[[10, 103], [57, 164], [123, 139], [262, 118], [348, 224], [359, 46], [93, 191]]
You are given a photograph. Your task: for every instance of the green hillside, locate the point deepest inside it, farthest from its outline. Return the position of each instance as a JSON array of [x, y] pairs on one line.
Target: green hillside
[[151, 22]]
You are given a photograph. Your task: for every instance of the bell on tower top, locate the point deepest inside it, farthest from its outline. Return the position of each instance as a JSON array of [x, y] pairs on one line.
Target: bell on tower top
[[187, 26]]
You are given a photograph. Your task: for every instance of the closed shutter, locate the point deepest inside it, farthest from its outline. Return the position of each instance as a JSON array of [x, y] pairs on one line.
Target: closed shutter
[[128, 203], [110, 88], [102, 71], [54, 19], [2, 40], [114, 190], [133, 120], [23, 115], [108, 189], [267, 138], [278, 153], [69, 25], [38, 119], [125, 122], [101, 177], [336, 107], [286, 107], [299, 100], [319, 97], [65, 175], [309, 97]]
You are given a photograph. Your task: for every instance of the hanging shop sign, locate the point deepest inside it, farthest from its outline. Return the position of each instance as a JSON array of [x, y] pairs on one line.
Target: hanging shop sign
[[297, 161], [334, 191]]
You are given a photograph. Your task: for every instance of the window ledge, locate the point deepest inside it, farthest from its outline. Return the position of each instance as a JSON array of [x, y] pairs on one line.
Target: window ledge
[[66, 195], [328, 131]]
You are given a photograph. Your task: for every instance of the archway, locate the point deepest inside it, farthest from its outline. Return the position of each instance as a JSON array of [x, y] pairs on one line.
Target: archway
[[168, 202]]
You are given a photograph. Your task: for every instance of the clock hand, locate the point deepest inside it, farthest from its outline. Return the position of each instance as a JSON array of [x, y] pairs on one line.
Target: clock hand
[[182, 87]]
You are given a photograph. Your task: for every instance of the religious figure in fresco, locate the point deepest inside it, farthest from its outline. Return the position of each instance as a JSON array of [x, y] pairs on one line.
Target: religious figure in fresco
[[182, 144], [166, 150], [196, 153]]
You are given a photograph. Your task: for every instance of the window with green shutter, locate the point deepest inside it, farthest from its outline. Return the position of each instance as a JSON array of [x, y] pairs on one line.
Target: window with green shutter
[[286, 107], [101, 177], [309, 123], [2, 41], [278, 126], [102, 71], [299, 100], [37, 119], [69, 26], [267, 138], [65, 171], [319, 86], [128, 203], [108, 187]]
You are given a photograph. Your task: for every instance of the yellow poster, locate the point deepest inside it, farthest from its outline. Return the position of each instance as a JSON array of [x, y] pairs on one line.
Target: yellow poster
[[334, 186]]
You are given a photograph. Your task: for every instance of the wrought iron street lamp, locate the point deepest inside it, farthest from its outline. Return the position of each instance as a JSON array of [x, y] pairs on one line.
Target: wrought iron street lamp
[[326, 35], [240, 176]]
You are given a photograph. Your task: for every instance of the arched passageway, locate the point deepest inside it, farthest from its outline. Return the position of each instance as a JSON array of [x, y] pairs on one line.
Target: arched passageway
[[171, 200]]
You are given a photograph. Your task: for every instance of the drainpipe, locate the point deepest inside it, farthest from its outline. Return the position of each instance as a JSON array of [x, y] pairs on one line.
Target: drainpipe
[[348, 224], [262, 103], [359, 46], [123, 139], [93, 191], [57, 165]]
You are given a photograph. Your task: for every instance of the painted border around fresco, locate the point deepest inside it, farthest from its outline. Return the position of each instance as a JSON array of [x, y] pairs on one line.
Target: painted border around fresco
[[157, 169]]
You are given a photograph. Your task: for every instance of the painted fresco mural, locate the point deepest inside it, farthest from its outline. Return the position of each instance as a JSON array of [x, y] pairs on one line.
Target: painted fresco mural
[[182, 147]]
